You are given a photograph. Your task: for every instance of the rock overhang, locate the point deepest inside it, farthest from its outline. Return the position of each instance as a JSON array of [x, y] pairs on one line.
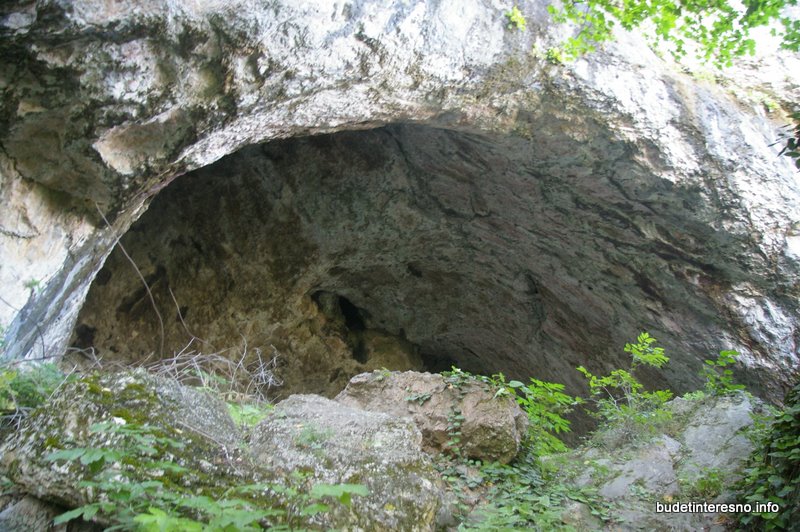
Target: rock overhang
[[496, 252], [617, 137]]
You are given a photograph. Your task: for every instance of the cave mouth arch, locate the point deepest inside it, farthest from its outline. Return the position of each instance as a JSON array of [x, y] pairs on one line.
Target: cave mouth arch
[[406, 247]]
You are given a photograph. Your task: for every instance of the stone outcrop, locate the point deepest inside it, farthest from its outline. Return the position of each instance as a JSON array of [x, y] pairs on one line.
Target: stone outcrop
[[305, 442], [338, 444], [472, 200], [491, 428], [678, 466], [68, 421]]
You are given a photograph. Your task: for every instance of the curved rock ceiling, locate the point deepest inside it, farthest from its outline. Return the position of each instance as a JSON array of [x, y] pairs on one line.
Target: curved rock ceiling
[[529, 256]]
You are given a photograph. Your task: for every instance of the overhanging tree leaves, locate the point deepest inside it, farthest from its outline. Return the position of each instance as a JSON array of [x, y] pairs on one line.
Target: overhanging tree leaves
[[720, 30]]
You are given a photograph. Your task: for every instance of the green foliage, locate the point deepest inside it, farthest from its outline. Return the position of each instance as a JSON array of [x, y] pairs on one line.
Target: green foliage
[[312, 437], [516, 19], [33, 285], [719, 376], [457, 377], [528, 495], [545, 403], [556, 55], [381, 374], [720, 31], [7, 399], [774, 472], [248, 415], [621, 399], [697, 395], [705, 485], [28, 387], [454, 421], [419, 398], [136, 485]]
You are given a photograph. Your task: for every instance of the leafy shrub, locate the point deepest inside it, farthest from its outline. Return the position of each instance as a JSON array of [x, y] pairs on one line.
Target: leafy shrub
[[545, 403], [28, 387], [705, 485], [774, 475], [719, 377], [620, 397]]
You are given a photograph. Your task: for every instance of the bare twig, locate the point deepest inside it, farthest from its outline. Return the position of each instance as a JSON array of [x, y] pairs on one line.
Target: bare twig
[[117, 242]]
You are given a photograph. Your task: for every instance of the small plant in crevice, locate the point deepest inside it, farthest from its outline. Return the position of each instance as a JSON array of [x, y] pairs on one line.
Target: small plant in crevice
[[313, 437], [705, 484], [556, 56], [516, 20], [247, 415], [34, 285], [621, 399], [419, 398], [381, 374]]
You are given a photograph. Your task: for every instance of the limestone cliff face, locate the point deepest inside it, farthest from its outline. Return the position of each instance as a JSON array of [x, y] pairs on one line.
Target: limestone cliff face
[[466, 195]]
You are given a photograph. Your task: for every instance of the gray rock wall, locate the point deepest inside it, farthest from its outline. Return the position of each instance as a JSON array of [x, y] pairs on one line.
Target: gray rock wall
[[535, 218]]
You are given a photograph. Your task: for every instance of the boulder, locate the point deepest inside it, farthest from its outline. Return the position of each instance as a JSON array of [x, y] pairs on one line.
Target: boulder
[[183, 414], [338, 444], [715, 438], [492, 428]]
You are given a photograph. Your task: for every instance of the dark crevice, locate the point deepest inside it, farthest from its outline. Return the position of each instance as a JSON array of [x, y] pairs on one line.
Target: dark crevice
[[84, 337], [353, 316]]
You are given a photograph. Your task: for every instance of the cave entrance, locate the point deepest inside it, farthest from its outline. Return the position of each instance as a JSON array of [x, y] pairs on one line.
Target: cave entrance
[[406, 247]]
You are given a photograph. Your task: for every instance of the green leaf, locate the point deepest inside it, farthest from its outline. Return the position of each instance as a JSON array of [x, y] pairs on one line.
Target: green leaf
[[65, 454], [73, 514], [314, 509]]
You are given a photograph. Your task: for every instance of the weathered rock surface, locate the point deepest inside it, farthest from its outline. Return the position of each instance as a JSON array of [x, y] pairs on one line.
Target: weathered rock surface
[[306, 435], [680, 466], [337, 444], [491, 430], [65, 422], [533, 218], [30, 513]]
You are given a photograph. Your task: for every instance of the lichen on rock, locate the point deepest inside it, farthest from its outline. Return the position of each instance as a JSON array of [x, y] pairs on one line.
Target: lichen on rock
[[338, 444]]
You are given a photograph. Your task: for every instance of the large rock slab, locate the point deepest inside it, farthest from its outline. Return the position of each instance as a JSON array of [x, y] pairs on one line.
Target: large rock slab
[[177, 412], [492, 427], [338, 444]]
